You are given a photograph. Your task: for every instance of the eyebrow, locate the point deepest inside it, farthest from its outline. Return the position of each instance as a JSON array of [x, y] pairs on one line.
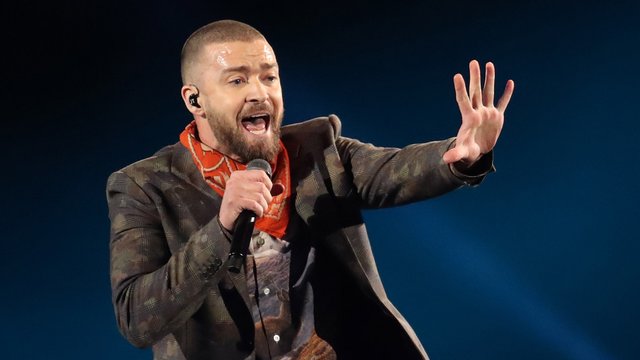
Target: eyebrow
[[245, 69]]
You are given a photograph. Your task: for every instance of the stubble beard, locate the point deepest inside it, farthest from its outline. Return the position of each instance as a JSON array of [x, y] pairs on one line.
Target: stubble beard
[[232, 137]]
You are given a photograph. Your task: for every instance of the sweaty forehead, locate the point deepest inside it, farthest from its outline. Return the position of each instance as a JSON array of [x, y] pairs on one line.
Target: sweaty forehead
[[239, 53]]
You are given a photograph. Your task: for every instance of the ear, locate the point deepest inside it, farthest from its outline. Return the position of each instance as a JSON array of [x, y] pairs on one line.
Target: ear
[[189, 93]]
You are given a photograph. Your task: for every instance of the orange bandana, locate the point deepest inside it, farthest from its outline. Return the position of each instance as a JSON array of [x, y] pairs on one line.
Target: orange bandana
[[216, 168]]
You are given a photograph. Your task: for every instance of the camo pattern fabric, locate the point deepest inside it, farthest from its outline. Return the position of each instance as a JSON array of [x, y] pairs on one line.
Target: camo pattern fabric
[[171, 290]]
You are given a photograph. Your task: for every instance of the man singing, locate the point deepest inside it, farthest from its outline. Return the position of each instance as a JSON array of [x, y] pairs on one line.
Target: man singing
[[309, 287]]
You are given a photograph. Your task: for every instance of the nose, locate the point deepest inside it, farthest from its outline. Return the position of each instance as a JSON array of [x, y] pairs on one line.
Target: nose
[[257, 92]]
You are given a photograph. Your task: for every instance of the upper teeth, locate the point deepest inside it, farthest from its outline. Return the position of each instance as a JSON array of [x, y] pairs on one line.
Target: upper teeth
[[258, 115]]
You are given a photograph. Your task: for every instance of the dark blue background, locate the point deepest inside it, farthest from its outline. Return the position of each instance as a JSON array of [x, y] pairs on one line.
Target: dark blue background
[[538, 262]]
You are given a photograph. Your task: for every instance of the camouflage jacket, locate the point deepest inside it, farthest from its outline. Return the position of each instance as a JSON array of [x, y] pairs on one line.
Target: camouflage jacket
[[171, 289]]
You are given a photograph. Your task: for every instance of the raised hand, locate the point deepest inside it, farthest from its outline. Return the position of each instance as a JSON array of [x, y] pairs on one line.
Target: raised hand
[[481, 120]]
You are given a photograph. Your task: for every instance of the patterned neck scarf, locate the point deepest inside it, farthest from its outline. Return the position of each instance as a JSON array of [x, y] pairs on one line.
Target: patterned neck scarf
[[216, 168]]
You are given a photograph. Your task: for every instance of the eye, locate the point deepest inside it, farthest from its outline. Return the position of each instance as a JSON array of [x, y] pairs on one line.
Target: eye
[[271, 79], [237, 81]]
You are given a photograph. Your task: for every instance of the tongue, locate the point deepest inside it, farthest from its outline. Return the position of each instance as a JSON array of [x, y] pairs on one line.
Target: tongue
[[254, 124]]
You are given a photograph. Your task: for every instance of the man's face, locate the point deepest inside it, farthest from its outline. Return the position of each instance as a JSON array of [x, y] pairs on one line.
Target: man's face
[[241, 97]]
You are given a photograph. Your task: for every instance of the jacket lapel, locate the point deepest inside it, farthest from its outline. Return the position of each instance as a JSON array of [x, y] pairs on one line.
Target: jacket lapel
[[323, 200], [182, 166]]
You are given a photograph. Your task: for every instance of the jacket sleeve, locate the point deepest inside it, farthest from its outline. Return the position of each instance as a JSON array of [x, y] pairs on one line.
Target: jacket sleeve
[[154, 290], [385, 176]]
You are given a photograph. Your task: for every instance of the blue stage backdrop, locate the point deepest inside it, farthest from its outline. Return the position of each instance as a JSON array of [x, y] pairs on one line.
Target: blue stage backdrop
[[539, 262]]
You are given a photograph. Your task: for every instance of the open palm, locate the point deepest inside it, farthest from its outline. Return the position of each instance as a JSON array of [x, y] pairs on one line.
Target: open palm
[[481, 120]]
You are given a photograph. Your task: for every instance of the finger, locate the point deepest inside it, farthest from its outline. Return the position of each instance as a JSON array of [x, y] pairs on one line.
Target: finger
[[266, 193], [257, 192], [257, 176], [257, 206], [475, 92], [461, 94], [264, 204], [506, 97], [489, 84], [258, 198], [249, 182]]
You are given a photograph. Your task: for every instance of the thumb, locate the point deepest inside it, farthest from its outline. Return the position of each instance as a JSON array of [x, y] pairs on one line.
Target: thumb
[[453, 155]]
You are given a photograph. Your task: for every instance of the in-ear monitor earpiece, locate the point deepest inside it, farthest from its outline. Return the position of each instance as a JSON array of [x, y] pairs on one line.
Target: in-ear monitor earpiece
[[193, 98]]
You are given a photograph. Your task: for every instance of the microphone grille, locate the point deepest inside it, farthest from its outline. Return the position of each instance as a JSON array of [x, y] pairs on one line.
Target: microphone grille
[[259, 164]]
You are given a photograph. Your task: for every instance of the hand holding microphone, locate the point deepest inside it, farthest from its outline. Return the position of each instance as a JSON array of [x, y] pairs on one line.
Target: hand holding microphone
[[247, 196], [246, 190]]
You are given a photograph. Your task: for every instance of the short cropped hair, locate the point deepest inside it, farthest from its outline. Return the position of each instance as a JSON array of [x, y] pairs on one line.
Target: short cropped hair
[[215, 32]]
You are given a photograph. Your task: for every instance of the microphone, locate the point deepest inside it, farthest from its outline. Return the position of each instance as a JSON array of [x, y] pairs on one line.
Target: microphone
[[243, 228]]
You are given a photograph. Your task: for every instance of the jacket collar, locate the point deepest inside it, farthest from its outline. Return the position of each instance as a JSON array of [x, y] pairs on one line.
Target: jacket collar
[[183, 167]]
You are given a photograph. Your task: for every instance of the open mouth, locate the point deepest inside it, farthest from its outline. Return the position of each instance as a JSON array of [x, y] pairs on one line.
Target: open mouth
[[257, 124]]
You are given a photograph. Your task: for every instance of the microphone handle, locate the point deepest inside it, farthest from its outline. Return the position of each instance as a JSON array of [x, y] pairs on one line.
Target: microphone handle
[[245, 222], [241, 238]]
